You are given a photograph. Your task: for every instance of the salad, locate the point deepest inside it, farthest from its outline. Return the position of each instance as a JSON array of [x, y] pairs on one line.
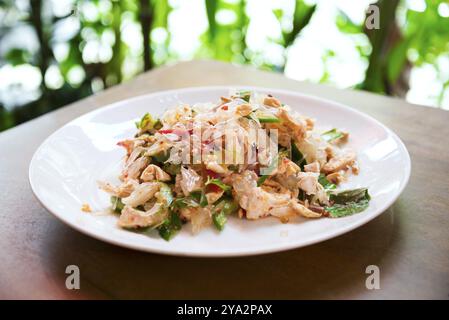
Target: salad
[[247, 155]]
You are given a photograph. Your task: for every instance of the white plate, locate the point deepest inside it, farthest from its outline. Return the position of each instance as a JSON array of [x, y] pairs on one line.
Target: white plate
[[65, 168]]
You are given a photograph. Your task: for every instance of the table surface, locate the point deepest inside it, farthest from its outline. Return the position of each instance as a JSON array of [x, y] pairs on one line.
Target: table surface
[[409, 242]]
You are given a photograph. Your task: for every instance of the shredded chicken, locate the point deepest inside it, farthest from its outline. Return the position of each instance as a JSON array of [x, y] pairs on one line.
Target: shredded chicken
[[141, 194], [203, 162], [312, 167], [340, 162], [190, 181], [133, 218], [153, 172], [272, 102], [122, 191]]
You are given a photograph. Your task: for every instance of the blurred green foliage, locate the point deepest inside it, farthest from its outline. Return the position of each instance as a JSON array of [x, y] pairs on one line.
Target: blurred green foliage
[[85, 49]]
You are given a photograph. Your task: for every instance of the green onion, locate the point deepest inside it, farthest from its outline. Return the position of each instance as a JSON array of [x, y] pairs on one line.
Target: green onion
[[326, 183], [297, 156], [244, 95], [117, 204], [332, 135], [267, 117]]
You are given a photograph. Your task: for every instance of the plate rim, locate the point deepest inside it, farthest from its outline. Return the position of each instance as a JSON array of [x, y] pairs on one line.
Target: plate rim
[[279, 247]]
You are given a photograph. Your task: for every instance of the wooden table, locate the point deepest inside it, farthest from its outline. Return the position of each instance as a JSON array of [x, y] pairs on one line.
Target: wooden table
[[409, 242]]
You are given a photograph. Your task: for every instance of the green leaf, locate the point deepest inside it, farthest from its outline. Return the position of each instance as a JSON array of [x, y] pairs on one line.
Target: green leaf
[[301, 18], [267, 118], [17, 56], [278, 13], [162, 10], [218, 183], [326, 183], [348, 202], [332, 135], [211, 10], [199, 197], [350, 208], [354, 195], [346, 25]]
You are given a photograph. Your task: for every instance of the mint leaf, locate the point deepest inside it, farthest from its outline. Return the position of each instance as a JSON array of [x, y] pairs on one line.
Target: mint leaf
[[348, 202], [350, 208]]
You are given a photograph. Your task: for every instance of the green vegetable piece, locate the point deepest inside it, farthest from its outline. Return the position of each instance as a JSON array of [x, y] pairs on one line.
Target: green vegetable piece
[[199, 197], [332, 135], [353, 195], [157, 125], [165, 194], [146, 123], [184, 202], [170, 226], [326, 183], [219, 220], [218, 183], [222, 209], [244, 95], [348, 202], [117, 204], [267, 118], [343, 210], [297, 156]]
